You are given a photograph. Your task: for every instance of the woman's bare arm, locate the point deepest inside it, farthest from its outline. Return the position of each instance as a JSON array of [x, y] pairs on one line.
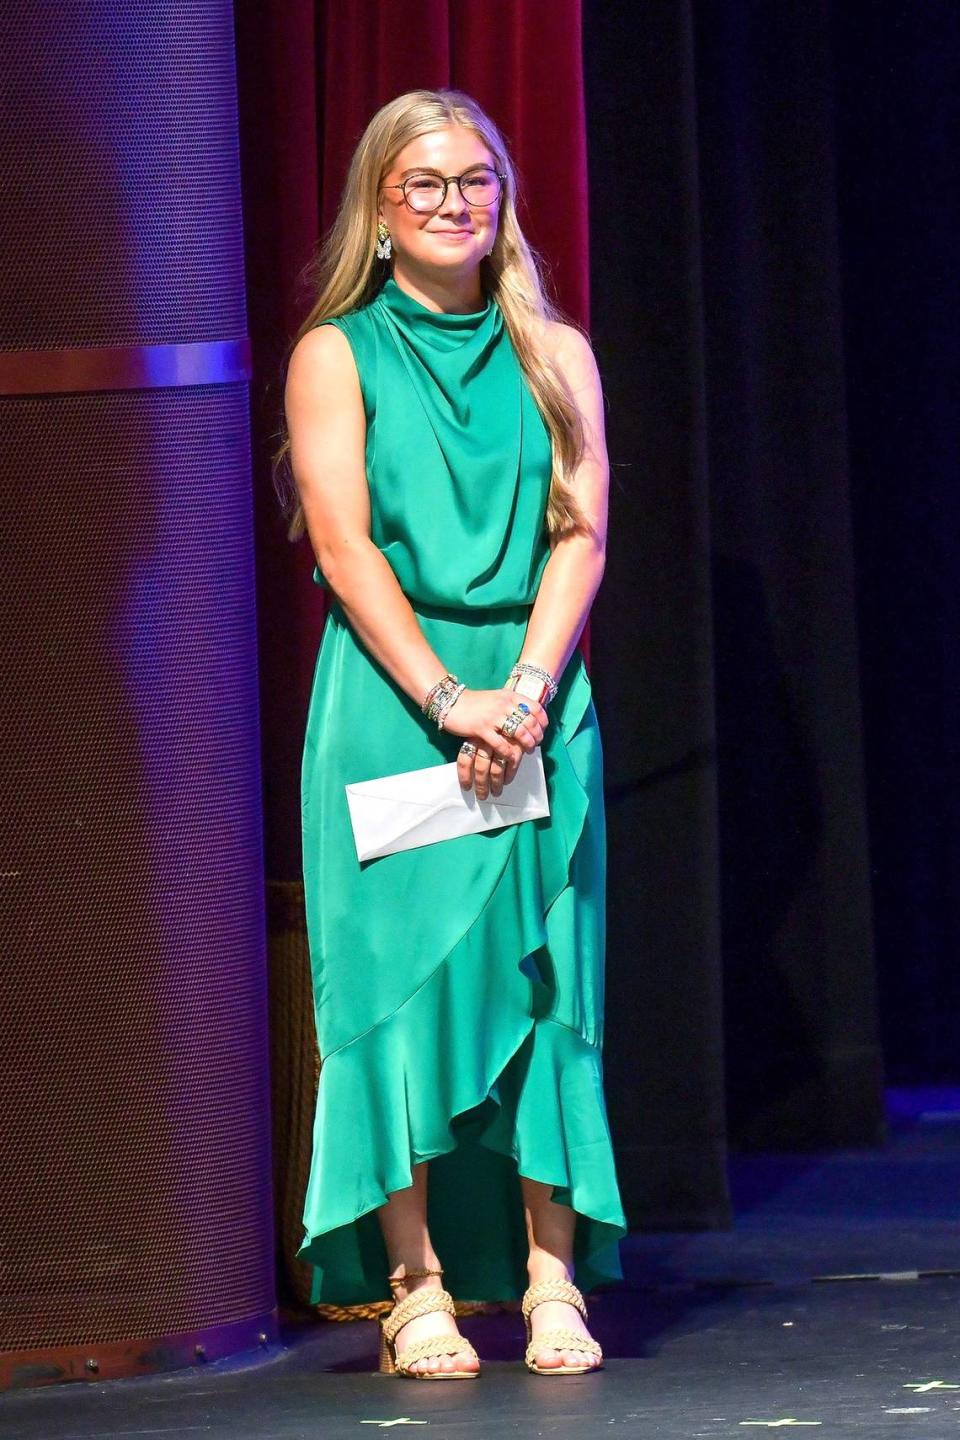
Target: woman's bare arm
[[327, 427], [572, 575]]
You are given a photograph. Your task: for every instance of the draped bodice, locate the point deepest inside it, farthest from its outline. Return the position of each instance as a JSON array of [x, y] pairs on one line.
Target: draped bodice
[[458, 456]]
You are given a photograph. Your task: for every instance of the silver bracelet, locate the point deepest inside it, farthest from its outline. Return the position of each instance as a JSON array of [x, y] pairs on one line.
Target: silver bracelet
[[436, 696], [523, 667], [448, 704]]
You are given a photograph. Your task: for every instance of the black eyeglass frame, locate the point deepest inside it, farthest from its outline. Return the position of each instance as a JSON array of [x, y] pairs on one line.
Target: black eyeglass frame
[[474, 205]]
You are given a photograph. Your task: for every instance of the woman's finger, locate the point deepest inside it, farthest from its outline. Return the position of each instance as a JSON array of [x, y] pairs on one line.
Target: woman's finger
[[531, 734], [465, 767], [536, 710], [528, 743], [481, 773], [511, 755]]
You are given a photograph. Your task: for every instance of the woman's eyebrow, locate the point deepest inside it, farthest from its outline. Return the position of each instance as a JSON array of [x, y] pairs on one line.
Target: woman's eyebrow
[[429, 170]]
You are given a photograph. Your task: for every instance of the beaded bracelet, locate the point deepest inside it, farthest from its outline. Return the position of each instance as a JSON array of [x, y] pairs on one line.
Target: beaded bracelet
[[437, 694], [445, 707]]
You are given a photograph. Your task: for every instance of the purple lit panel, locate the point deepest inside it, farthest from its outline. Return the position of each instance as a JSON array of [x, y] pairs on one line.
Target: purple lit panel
[[135, 1189]]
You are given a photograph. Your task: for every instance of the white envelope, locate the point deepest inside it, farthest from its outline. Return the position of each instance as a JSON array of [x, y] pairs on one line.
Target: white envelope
[[420, 807]]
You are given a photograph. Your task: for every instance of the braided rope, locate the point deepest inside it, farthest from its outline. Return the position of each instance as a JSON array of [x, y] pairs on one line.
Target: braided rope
[[376, 1308]]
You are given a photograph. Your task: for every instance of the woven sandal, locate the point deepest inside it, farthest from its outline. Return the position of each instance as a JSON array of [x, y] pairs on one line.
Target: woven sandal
[[558, 1339], [421, 1302]]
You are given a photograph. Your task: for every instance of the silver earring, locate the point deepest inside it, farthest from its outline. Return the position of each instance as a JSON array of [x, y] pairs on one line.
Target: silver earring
[[384, 247]]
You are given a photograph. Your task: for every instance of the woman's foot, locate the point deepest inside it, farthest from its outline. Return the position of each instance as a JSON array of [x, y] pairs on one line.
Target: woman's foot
[[436, 1323], [556, 1314]]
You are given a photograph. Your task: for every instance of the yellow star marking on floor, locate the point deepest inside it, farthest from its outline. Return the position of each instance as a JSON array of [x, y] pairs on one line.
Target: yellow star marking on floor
[[775, 1424], [922, 1388], [403, 1420]]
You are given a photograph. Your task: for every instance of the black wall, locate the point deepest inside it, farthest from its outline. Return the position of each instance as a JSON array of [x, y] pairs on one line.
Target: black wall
[[774, 313]]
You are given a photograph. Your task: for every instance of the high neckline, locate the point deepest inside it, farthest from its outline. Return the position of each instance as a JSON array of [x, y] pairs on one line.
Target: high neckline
[[401, 302]]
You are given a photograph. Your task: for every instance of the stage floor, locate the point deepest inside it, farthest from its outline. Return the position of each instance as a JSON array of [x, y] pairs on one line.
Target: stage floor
[[723, 1334]]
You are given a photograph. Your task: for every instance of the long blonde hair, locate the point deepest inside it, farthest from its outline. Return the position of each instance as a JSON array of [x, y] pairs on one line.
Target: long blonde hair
[[347, 274]]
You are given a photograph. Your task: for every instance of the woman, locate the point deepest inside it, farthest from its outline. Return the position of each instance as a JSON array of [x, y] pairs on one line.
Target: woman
[[445, 437]]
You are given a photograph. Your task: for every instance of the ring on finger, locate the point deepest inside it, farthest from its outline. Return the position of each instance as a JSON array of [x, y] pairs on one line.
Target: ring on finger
[[467, 749]]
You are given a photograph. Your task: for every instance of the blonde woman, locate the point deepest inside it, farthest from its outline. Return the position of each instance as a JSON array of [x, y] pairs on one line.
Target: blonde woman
[[444, 434]]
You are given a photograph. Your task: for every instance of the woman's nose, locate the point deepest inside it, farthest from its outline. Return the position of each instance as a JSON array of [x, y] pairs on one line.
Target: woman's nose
[[453, 201]]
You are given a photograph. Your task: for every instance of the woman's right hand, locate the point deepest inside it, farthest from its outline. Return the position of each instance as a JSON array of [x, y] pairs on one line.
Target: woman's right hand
[[475, 716]]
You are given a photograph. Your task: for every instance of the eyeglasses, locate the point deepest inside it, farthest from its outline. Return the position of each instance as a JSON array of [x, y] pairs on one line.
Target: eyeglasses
[[426, 191]]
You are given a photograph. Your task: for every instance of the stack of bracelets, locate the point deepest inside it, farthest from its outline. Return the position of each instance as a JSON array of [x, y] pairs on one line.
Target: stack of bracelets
[[523, 667], [541, 686], [445, 693]]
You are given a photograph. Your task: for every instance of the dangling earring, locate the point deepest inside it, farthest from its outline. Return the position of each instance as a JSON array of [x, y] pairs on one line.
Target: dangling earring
[[384, 247]]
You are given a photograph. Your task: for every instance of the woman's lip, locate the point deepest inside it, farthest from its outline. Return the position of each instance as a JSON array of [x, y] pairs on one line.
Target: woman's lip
[[460, 234]]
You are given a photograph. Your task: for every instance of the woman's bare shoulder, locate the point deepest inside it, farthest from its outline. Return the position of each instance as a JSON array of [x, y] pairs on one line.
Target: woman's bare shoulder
[[568, 348], [322, 345], [322, 356]]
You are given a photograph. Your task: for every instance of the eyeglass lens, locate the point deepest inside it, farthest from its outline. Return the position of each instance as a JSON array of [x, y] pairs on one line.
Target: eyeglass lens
[[426, 192]]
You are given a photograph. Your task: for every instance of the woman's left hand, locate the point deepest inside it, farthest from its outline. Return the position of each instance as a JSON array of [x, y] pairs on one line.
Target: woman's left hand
[[486, 774]]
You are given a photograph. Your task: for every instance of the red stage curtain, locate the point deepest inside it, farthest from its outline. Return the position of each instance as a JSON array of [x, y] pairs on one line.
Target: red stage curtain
[[310, 77]]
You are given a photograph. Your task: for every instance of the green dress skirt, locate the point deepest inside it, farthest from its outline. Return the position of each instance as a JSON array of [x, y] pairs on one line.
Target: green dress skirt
[[458, 987]]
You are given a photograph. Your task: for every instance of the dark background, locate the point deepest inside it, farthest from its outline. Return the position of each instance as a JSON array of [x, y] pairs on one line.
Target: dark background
[[897, 145], [774, 304], [769, 192]]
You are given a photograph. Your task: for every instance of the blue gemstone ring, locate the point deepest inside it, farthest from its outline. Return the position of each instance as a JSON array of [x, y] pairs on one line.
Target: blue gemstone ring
[[524, 707]]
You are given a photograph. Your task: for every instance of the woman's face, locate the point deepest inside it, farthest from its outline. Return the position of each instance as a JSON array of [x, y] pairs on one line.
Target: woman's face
[[457, 235]]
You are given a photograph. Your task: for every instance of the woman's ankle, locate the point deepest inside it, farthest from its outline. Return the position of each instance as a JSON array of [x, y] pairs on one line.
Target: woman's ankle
[[543, 1266], [404, 1286]]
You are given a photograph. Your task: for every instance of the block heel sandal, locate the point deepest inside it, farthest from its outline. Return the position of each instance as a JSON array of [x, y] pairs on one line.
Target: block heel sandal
[[558, 1339], [421, 1302]]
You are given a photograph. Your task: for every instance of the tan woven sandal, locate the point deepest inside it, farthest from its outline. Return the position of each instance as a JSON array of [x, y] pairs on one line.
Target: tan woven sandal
[[421, 1302], [558, 1339]]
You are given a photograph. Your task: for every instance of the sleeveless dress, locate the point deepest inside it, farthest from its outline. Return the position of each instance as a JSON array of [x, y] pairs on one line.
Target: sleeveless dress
[[458, 987]]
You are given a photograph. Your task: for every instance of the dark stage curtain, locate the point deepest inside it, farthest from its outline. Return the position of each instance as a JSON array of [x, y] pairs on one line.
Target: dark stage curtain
[[725, 648], [897, 85]]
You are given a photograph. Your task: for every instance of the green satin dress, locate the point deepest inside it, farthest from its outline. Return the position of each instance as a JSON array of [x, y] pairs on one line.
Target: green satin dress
[[458, 987]]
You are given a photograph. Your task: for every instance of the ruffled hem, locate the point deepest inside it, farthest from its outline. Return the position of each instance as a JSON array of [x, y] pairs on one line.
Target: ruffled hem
[[473, 1073]]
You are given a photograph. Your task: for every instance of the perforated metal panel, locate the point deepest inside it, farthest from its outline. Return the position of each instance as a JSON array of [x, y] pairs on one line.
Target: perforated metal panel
[[135, 1196], [119, 155], [134, 1189]]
